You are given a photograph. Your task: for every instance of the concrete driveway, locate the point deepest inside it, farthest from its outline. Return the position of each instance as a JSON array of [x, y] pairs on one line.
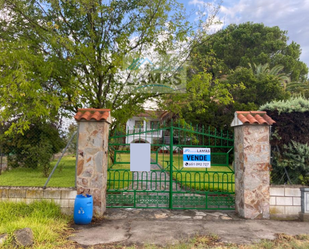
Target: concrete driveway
[[161, 227]]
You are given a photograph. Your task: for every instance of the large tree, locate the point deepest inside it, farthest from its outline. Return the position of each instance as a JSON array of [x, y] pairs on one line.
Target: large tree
[[254, 43], [69, 53], [253, 62]]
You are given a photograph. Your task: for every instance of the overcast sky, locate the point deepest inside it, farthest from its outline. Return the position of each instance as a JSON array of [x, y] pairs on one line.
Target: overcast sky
[[290, 15]]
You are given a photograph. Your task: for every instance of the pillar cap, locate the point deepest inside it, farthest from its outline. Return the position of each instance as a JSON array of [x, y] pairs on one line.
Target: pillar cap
[[251, 118], [92, 114]]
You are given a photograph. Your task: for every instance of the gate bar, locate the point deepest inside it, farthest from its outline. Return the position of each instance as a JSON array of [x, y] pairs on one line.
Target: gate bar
[[171, 167]]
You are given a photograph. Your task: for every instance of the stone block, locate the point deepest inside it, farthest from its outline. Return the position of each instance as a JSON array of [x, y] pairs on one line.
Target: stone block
[[20, 199], [292, 210], [71, 203], [52, 194], [276, 210], [17, 193], [292, 192], [29, 201], [276, 191], [47, 199], [284, 201], [34, 193], [57, 201], [4, 193], [68, 194], [296, 201], [23, 237], [272, 201], [64, 203]]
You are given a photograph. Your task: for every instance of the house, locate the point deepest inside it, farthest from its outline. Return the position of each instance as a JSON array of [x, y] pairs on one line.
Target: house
[[144, 128]]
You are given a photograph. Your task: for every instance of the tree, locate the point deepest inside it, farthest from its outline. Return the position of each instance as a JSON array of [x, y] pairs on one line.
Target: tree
[[57, 54], [258, 89], [298, 88], [203, 97], [230, 56], [33, 148], [254, 43], [260, 69]]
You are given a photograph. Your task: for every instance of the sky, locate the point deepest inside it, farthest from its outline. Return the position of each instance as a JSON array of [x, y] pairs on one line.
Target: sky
[[289, 15]]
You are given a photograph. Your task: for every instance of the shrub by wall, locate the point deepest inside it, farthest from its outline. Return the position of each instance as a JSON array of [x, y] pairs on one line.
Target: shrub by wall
[[289, 140]]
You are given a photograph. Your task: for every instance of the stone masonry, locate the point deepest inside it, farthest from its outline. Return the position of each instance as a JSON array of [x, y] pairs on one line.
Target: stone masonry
[[252, 157], [285, 202], [93, 129], [64, 197]]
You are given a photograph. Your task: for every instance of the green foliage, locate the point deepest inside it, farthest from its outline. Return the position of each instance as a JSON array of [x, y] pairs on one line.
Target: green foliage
[[294, 104], [219, 73], [203, 95], [34, 177], [295, 157], [44, 218], [290, 139], [45, 154], [298, 89], [57, 55], [25, 89], [216, 103], [259, 89], [35, 147], [254, 43], [260, 69]]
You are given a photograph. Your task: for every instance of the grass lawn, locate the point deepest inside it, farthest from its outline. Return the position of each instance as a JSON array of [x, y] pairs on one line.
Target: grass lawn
[[216, 178], [119, 176], [50, 228], [64, 175]]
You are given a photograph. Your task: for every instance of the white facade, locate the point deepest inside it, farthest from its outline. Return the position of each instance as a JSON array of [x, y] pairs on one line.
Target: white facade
[[143, 130]]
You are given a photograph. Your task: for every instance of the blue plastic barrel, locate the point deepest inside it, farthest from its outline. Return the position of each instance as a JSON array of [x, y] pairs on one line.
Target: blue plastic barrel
[[83, 209]]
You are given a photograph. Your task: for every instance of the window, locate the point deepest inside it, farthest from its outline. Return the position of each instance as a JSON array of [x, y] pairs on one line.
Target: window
[[154, 124], [139, 124]]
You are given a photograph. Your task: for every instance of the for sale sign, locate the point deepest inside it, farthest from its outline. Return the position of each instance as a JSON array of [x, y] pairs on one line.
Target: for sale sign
[[196, 158]]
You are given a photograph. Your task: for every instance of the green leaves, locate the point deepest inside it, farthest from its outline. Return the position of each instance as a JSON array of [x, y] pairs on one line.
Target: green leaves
[[59, 55], [239, 45], [24, 88], [294, 104]]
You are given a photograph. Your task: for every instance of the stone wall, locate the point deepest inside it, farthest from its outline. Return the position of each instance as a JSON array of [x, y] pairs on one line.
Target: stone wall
[[285, 202], [64, 197]]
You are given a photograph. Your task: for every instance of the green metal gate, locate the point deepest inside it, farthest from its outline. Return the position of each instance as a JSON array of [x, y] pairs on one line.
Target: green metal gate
[[169, 184]]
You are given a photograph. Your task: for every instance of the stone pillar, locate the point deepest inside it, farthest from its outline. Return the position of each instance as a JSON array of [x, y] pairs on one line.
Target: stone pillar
[[91, 171], [252, 168]]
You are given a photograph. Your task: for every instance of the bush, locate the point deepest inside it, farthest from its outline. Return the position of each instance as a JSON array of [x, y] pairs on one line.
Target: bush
[[36, 146], [295, 159], [289, 139]]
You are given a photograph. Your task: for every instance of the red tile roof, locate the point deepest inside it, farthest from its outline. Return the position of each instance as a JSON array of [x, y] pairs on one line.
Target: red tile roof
[[92, 113], [255, 117], [151, 113]]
